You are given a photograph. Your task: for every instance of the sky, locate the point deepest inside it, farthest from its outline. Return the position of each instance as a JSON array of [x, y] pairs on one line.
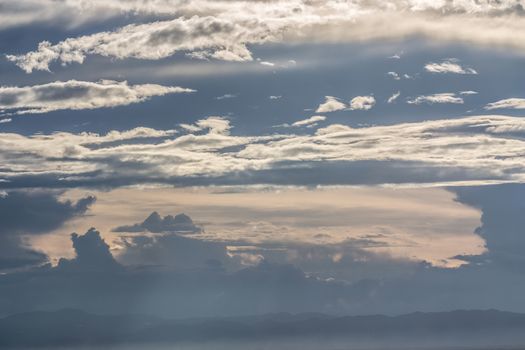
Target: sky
[[228, 157]]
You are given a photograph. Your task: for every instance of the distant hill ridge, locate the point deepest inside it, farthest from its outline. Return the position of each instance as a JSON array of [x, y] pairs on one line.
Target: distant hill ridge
[[70, 327]]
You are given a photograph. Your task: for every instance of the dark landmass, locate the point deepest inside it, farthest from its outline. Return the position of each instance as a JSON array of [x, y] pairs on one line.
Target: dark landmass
[[72, 328]]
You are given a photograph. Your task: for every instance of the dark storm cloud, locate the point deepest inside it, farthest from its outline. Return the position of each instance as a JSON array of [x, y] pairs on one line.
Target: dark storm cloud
[[94, 281], [36, 212], [25, 213], [193, 282], [92, 253], [175, 251], [502, 223]]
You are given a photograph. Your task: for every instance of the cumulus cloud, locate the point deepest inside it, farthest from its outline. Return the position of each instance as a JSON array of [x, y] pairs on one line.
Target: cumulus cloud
[[364, 103], [447, 97], [448, 66], [472, 150], [92, 253], [223, 30], [510, 103], [76, 95], [180, 223], [331, 104]]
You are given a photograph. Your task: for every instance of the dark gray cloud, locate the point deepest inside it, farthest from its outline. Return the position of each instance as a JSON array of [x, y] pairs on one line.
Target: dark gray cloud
[[502, 223], [196, 280], [35, 212], [92, 253], [175, 251], [24, 213], [180, 223]]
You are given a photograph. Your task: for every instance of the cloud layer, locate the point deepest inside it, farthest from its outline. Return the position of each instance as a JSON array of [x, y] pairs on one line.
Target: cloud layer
[[475, 149], [76, 95], [224, 30]]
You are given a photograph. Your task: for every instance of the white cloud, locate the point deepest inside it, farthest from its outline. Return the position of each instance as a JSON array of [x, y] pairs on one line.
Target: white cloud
[[275, 97], [468, 92], [394, 75], [509, 103], [394, 97], [483, 149], [223, 29], [437, 98], [331, 104], [310, 122], [448, 66], [364, 103], [225, 96], [5, 120], [213, 124], [74, 94], [266, 63]]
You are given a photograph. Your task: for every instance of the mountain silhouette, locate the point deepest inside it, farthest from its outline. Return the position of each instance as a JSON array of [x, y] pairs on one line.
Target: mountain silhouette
[[77, 328]]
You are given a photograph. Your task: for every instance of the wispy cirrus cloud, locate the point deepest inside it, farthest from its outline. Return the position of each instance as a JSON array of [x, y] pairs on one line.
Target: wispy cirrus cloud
[[394, 97], [76, 95], [308, 122]]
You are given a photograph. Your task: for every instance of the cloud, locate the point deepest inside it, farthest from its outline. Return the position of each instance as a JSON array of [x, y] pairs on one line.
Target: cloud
[[364, 103], [394, 97], [31, 213], [92, 254], [176, 251], [275, 97], [223, 30], [394, 75], [309, 122], [510, 103], [226, 96], [448, 66], [37, 212], [502, 224], [180, 223], [437, 98], [312, 121], [468, 92], [476, 147], [200, 37], [180, 276], [331, 104], [266, 63], [76, 95]]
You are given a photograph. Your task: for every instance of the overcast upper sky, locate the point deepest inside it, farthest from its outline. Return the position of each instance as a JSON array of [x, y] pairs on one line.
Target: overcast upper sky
[[342, 156]]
